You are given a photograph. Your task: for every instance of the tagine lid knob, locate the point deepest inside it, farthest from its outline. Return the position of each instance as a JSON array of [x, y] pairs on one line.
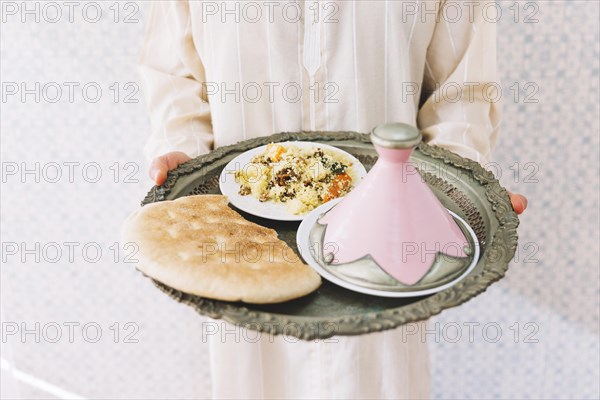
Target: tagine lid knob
[[396, 135]]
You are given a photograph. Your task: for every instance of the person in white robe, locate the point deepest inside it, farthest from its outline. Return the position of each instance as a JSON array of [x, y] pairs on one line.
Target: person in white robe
[[216, 73]]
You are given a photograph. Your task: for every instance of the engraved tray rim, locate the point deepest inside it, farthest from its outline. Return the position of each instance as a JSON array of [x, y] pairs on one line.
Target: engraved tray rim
[[502, 243]]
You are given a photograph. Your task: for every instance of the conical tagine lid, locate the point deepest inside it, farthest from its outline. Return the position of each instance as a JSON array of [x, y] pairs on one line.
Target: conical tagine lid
[[392, 217]]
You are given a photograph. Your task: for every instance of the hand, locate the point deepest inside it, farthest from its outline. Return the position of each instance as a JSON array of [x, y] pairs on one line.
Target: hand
[[519, 202], [163, 164]]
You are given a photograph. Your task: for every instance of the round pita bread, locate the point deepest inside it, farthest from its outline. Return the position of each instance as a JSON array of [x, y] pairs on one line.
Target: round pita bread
[[198, 245]]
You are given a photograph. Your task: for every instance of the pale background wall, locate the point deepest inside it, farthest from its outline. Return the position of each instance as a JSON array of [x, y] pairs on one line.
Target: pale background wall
[[554, 285]]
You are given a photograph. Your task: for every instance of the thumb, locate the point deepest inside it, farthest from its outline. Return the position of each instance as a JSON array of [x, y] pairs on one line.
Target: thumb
[[160, 166]]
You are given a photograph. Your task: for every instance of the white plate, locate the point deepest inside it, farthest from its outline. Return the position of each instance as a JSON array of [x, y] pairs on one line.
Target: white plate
[[305, 248], [271, 209]]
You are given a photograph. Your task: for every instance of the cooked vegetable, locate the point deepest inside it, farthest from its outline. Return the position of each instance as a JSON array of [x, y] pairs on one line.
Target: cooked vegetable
[[339, 185]]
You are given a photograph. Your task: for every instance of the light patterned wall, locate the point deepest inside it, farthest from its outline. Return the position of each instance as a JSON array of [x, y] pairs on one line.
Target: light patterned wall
[[550, 296]]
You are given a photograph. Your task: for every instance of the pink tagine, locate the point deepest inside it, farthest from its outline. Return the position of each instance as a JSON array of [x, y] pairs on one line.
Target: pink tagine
[[392, 215]]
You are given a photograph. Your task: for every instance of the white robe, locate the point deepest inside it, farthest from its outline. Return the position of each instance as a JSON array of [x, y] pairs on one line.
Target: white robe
[[214, 77], [393, 364]]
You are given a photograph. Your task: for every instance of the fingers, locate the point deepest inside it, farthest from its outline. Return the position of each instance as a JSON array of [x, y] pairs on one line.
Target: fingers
[[160, 166], [519, 202], [524, 200]]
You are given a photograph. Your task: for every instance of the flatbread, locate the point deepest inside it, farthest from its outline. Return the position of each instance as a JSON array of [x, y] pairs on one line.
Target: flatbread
[[198, 245]]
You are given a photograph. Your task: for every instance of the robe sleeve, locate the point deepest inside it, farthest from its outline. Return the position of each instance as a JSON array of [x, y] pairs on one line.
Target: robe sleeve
[[172, 76], [461, 108]]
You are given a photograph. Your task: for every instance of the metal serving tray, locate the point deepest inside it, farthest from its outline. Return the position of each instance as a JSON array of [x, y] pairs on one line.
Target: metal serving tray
[[462, 186]]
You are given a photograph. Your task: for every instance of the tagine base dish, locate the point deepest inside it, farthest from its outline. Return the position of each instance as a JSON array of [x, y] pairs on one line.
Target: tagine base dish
[[356, 277]]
